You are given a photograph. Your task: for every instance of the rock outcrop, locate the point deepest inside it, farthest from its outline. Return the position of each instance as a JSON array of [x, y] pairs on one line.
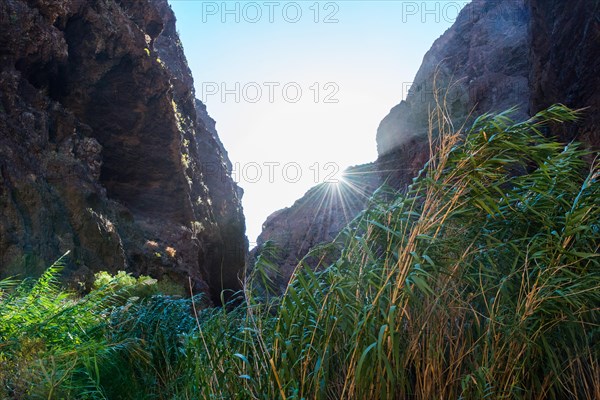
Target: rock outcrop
[[105, 151], [526, 54]]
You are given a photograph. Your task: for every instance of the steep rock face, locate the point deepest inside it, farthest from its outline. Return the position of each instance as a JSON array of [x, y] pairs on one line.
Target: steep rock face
[[565, 59], [222, 243], [479, 65], [526, 54], [102, 150]]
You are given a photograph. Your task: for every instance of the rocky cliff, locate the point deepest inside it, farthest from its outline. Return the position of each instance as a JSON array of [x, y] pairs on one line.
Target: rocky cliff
[[526, 54], [565, 63], [106, 152], [479, 65]]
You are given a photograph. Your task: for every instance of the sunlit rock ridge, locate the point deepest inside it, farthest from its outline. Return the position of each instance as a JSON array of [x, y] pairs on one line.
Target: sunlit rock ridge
[[498, 54], [104, 150]]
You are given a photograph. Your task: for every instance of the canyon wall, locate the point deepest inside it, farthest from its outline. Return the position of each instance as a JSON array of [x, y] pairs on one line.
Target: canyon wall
[[106, 152]]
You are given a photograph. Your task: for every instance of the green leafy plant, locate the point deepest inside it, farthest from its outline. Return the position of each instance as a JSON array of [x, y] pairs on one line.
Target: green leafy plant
[[125, 284]]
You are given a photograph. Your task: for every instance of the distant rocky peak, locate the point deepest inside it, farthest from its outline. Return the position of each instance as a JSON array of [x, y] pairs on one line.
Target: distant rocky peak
[[480, 64]]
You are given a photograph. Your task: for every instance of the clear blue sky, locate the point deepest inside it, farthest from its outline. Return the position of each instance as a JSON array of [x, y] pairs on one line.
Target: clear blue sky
[[299, 88]]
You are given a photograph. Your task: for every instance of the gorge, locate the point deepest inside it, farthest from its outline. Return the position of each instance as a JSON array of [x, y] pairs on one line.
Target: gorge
[[461, 263], [136, 182]]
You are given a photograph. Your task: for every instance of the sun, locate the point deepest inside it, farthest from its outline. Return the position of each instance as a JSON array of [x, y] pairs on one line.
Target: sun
[[338, 201]]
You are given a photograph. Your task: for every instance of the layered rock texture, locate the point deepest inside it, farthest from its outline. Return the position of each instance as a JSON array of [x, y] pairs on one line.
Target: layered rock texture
[[104, 150], [499, 54]]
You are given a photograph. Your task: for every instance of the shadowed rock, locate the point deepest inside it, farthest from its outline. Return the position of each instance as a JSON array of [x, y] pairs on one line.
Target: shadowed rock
[[102, 151]]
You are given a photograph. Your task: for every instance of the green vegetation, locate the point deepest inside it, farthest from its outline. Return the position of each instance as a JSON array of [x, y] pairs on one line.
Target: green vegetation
[[481, 281]]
